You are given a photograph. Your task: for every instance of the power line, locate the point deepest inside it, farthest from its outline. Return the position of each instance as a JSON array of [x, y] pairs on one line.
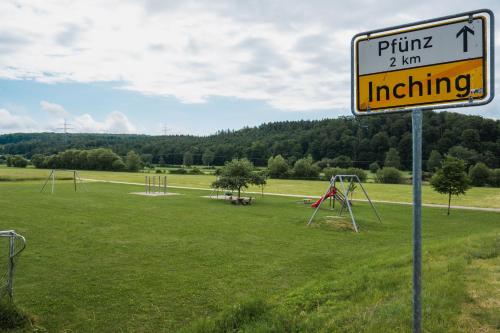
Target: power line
[[65, 127], [165, 130]]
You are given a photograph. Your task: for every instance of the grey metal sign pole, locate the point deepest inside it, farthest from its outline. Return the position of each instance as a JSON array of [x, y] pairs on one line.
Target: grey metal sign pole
[[416, 120]]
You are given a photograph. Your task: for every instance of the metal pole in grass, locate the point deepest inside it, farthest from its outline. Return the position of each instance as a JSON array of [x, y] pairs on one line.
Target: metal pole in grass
[[10, 289], [53, 180], [416, 121]]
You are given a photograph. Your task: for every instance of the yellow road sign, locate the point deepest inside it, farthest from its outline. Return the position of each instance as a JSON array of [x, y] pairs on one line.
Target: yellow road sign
[[438, 63]]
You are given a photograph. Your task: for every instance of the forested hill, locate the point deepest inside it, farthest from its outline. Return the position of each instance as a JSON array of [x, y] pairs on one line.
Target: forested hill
[[364, 140]]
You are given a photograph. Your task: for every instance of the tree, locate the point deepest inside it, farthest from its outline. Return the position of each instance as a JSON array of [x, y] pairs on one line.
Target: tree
[[237, 174], [161, 161], [342, 161], [451, 178], [469, 156], [208, 157], [392, 159], [470, 138], [17, 161], [479, 174], [260, 179], [324, 163], [38, 161], [147, 158], [278, 167], [134, 162], [494, 178], [434, 161], [304, 168], [380, 143], [374, 167], [187, 159]]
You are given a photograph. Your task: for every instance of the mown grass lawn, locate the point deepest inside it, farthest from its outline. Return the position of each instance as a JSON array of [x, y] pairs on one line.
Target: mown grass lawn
[[487, 197], [108, 261]]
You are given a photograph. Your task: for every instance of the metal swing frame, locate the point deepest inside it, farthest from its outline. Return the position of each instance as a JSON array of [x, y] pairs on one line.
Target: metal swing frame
[[345, 191], [52, 177], [13, 253]]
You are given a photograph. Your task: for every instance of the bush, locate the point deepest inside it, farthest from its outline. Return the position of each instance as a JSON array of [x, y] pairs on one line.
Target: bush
[[11, 317], [494, 179], [479, 174], [178, 171], [195, 171], [389, 175], [358, 172], [118, 165], [158, 171], [374, 167], [328, 173]]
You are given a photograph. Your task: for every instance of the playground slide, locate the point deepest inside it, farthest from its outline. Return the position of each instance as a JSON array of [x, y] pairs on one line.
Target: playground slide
[[329, 194]]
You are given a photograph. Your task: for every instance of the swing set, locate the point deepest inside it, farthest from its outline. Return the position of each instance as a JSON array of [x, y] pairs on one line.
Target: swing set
[[339, 189]]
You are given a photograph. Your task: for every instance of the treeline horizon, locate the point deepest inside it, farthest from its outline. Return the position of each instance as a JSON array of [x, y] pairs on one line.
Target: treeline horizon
[[363, 140]]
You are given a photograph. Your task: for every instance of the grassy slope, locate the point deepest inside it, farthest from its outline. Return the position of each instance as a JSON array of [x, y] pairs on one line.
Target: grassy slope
[[475, 197], [109, 261]]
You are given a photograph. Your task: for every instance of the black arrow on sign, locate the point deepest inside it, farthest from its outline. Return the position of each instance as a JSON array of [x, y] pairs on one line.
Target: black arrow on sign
[[464, 32]]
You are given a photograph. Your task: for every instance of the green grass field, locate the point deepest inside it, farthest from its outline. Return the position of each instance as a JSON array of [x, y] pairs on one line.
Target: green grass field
[[108, 261], [485, 197]]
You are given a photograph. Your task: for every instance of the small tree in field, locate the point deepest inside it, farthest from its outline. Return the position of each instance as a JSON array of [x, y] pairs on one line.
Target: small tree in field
[[187, 159], [133, 161], [434, 161], [451, 179], [278, 167], [392, 159], [208, 157], [238, 174]]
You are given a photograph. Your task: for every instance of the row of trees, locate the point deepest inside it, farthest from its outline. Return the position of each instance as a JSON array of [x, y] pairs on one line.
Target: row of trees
[[17, 161], [93, 159], [346, 140]]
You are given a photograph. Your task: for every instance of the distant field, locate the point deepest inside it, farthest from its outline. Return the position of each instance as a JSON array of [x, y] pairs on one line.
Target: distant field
[[475, 197], [108, 261]]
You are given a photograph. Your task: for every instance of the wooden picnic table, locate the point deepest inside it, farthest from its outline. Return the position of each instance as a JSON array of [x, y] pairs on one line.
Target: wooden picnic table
[[241, 201]]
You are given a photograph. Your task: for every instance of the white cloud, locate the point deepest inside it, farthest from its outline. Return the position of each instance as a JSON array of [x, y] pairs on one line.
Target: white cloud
[[54, 109], [292, 54], [10, 122], [115, 122]]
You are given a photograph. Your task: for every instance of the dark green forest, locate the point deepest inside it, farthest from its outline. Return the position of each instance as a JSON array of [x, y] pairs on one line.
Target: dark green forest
[[364, 140]]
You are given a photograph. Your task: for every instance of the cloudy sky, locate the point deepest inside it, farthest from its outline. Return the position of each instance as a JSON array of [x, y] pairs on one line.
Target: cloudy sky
[[145, 66]]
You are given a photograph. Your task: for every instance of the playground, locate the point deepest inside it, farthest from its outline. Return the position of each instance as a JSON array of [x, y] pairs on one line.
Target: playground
[[186, 263]]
